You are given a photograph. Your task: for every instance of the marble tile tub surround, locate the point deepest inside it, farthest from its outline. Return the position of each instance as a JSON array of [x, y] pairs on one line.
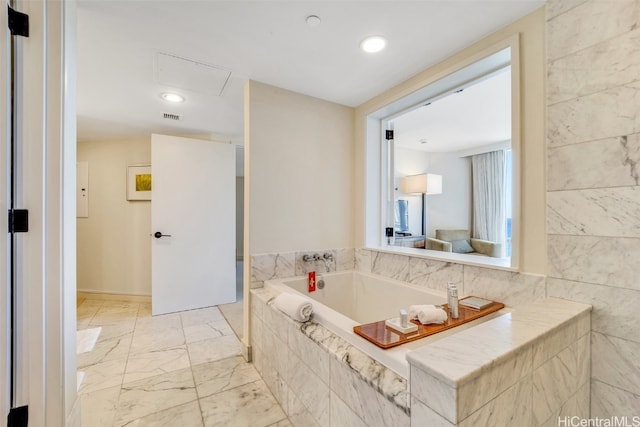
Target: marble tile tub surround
[[526, 367], [511, 288], [320, 379], [593, 155], [289, 264]]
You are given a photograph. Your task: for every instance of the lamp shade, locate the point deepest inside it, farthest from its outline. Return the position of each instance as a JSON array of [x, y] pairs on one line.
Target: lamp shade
[[426, 183]]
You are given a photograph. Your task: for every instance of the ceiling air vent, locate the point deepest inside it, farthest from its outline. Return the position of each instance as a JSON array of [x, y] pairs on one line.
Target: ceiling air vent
[[171, 116]]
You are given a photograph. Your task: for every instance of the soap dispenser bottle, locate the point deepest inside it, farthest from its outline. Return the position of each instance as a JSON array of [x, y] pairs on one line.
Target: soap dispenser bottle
[[452, 296]]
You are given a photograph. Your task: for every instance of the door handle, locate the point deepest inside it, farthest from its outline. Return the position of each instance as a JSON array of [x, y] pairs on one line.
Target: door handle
[[158, 235]]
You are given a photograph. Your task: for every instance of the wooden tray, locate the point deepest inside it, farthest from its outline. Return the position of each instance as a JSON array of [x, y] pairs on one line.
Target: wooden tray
[[386, 337]]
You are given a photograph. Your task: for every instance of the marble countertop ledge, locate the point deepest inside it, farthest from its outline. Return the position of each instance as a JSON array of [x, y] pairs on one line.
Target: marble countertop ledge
[[459, 358]]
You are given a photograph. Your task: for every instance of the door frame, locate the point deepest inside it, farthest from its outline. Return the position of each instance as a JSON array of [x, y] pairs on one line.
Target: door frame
[[45, 185]]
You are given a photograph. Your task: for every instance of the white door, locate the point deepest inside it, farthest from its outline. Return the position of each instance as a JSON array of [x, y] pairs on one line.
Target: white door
[[193, 224]]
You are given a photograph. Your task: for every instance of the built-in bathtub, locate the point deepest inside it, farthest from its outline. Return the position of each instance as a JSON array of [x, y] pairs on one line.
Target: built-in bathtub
[[353, 298]]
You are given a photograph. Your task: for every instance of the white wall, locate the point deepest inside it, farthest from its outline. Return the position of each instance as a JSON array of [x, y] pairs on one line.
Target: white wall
[[300, 173], [114, 251], [452, 208]]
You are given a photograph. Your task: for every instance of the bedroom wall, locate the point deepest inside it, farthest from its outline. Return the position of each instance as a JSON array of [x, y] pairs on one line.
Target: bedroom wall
[[114, 253], [452, 208]]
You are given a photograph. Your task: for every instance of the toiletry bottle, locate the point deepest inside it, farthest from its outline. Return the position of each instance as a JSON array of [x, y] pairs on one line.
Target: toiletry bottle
[[453, 297], [449, 286]]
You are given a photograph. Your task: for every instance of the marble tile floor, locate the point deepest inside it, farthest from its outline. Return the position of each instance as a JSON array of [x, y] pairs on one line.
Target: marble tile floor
[[233, 312], [182, 369]]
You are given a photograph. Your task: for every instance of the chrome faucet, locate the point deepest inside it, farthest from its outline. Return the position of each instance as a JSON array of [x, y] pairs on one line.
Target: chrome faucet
[[328, 259], [311, 258]]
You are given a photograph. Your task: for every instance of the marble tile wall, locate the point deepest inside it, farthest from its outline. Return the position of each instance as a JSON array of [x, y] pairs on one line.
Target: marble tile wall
[[290, 264], [511, 288], [318, 378], [536, 370], [593, 177]]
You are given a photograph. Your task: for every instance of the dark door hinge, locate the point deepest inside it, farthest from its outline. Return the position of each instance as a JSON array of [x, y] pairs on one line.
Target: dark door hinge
[[18, 221], [18, 23], [18, 417], [389, 135]]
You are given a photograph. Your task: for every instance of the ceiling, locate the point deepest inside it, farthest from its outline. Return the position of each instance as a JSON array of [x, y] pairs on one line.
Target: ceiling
[[118, 44], [477, 116]]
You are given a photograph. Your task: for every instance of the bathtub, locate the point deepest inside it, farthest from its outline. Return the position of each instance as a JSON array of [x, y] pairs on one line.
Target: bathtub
[[352, 298]]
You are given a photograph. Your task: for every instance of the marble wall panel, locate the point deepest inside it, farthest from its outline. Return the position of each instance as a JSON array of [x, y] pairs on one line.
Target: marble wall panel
[[499, 377], [434, 274], [589, 23], [615, 362], [601, 115], [511, 408], [511, 288], [582, 348], [554, 382], [345, 259], [342, 415], [615, 310], [298, 414], [565, 412], [310, 352], [363, 260], [556, 341], [607, 400], [608, 212], [369, 405], [610, 162], [439, 397], [583, 400], [599, 260], [422, 415], [271, 266], [309, 389], [555, 8], [393, 266], [611, 63]]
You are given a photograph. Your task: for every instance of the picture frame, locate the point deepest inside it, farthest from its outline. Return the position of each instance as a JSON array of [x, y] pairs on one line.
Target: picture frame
[[139, 182]]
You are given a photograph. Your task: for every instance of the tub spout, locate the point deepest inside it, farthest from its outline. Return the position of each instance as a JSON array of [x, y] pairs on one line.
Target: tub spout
[[328, 259]]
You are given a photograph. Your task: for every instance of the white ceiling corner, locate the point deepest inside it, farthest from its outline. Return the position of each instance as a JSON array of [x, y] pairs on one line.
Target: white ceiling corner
[[267, 41]]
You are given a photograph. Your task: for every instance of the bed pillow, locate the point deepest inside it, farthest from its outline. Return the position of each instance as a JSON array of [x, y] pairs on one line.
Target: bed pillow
[[461, 247]]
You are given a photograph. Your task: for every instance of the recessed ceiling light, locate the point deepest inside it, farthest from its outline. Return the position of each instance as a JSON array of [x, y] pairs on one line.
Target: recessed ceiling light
[[373, 44], [313, 20], [172, 97]]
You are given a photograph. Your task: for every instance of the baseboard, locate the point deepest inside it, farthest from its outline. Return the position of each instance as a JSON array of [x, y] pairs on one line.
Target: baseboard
[[110, 296]]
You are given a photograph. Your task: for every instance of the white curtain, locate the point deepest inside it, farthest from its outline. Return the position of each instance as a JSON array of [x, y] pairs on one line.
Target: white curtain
[[489, 198]]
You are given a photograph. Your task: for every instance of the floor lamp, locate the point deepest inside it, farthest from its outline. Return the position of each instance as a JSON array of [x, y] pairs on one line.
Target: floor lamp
[[424, 184]]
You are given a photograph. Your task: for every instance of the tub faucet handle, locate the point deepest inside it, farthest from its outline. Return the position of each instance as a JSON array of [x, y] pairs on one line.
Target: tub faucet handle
[[328, 256]]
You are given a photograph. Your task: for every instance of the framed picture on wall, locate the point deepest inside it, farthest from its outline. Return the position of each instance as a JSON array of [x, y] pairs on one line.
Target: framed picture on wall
[[139, 182]]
